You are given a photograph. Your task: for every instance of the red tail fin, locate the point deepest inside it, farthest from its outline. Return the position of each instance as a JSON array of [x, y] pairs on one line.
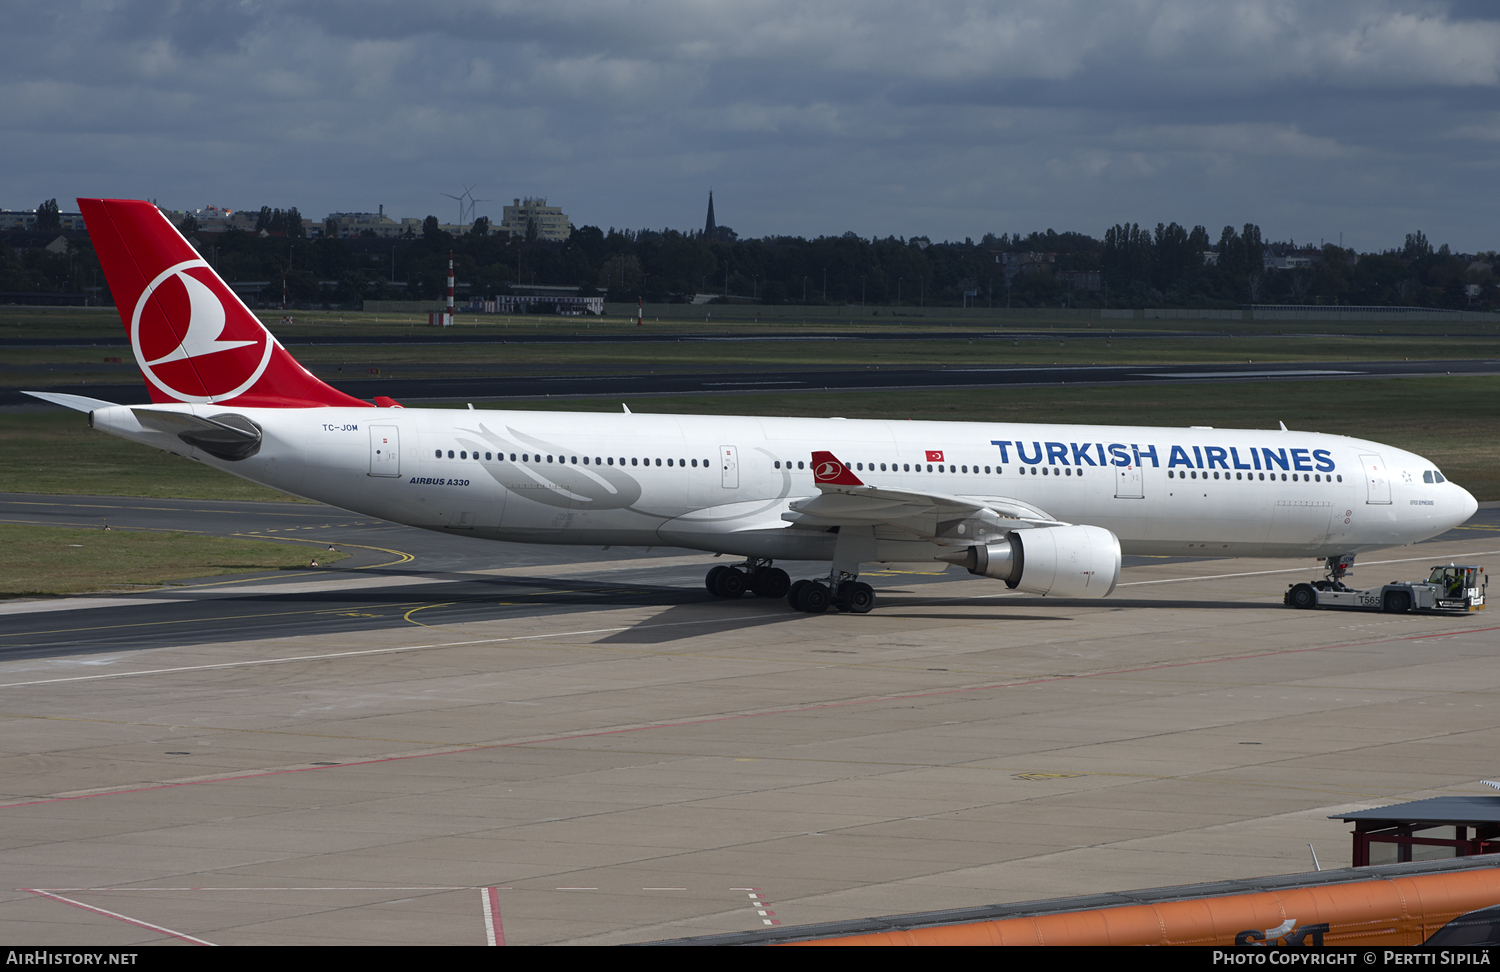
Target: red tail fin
[[193, 339]]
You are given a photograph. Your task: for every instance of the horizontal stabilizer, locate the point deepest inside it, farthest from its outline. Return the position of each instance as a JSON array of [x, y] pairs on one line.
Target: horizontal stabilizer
[[227, 436], [77, 403]]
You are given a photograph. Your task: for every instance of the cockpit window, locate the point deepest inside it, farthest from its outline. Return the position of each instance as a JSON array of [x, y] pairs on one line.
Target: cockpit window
[[1427, 476], [1438, 476]]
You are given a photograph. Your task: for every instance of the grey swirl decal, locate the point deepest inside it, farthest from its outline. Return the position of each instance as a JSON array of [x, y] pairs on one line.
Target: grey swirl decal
[[582, 488], [566, 486]]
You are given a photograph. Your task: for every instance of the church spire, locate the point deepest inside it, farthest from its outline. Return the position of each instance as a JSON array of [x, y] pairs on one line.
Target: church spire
[[710, 228]]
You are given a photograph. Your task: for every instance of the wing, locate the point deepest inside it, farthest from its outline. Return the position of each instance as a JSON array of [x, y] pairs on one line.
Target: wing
[[844, 500]]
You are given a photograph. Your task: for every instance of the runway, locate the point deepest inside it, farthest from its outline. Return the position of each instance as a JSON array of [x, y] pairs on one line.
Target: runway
[[591, 750], [395, 576], [865, 378]]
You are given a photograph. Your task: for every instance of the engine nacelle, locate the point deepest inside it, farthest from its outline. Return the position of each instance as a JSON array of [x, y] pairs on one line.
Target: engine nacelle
[[1067, 561]]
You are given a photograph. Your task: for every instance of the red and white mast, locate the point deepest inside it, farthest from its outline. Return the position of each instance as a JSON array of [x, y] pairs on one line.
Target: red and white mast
[[449, 321]]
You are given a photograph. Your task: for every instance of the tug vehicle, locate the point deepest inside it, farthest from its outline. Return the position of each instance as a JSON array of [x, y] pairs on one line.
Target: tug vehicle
[[1454, 589]]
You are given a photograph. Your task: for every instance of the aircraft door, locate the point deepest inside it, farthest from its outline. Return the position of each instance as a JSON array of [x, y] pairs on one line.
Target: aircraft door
[[729, 465], [1128, 484], [1377, 482], [385, 451]]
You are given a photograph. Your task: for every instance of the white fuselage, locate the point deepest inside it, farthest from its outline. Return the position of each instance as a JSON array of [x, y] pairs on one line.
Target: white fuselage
[[722, 483]]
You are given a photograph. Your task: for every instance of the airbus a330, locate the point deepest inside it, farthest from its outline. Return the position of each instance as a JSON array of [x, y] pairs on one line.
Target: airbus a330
[[1047, 509]]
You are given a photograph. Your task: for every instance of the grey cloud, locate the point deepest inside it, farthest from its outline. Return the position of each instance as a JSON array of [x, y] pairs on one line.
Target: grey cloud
[[885, 117]]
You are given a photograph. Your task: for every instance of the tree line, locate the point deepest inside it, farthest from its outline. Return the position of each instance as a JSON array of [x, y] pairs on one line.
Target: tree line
[[1168, 266]]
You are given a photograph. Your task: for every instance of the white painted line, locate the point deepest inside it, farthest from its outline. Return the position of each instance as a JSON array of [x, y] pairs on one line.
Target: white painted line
[[82, 604], [382, 651], [1247, 374], [1297, 570], [494, 930], [413, 887], [245, 588], [119, 917], [758, 902]]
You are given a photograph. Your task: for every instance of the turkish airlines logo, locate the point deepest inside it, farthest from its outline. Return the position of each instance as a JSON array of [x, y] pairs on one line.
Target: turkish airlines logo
[[934, 455], [187, 343], [828, 471]]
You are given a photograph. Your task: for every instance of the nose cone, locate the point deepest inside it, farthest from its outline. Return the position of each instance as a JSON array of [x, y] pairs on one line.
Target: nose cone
[[1464, 505]]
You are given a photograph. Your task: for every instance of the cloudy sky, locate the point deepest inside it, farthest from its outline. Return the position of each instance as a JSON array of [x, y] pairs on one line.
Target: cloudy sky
[[1371, 118]]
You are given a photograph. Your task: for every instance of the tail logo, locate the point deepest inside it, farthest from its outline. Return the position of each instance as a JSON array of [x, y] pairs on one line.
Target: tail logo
[[178, 333], [828, 471]]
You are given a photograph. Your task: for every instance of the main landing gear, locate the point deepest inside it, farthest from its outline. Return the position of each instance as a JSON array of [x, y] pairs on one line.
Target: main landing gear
[[815, 597], [757, 577]]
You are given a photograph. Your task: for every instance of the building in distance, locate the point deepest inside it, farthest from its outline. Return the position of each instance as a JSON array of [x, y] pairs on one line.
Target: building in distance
[[350, 226], [25, 219], [550, 221]]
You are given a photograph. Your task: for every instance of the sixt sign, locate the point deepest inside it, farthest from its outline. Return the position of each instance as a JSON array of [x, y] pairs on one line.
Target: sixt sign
[[1188, 457]]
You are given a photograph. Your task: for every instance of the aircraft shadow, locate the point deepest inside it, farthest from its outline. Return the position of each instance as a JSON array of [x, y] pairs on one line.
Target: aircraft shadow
[[682, 621]]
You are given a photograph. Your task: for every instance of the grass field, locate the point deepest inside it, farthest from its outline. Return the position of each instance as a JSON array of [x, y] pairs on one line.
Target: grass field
[[1019, 343], [57, 452], [40, 560], [103, 323], [1450, 420]]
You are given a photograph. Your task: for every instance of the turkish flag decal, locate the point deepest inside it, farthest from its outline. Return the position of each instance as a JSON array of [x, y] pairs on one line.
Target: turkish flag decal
[[934, 455]]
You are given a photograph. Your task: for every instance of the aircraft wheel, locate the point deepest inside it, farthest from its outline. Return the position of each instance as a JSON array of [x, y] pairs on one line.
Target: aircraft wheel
[[794, 594], [712, 580], [770, 582], [731, 583], [1302, 596], [857, 598], [1397, 602], [815, 598]]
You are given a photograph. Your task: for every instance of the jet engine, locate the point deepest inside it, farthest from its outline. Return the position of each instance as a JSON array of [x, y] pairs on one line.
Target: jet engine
[[1064, 561]]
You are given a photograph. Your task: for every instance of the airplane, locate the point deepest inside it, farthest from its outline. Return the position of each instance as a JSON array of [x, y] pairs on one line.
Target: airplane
[[1049, 509]]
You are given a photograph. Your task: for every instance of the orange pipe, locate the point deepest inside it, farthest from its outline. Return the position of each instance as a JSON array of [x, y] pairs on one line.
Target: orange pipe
[[1383, 911]]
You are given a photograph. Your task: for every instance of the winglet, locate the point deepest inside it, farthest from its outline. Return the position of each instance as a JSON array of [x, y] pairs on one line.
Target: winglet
[[829, 471]]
